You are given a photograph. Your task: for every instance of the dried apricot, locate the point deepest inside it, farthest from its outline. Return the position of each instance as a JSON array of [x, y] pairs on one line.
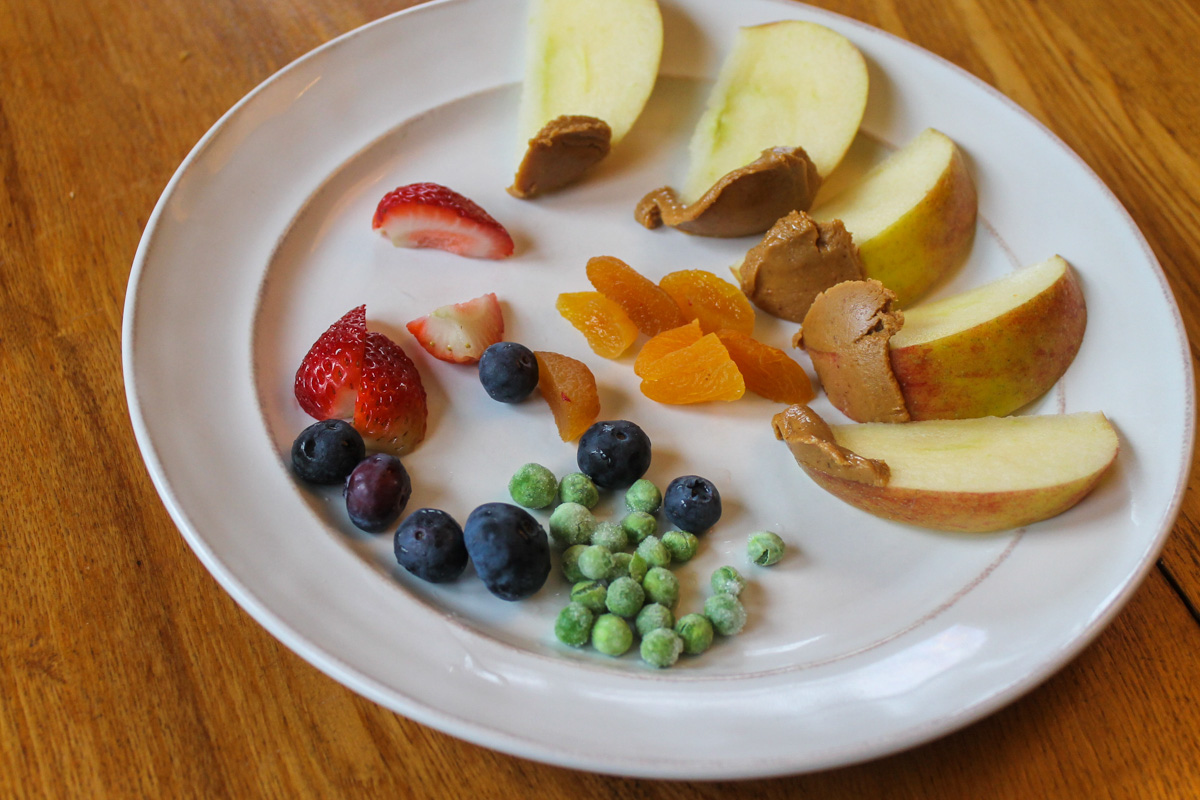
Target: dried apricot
[[716, 302], [700, 372], [608, 329], [664, 343], [767, 370], [570, 389], [650, 308]]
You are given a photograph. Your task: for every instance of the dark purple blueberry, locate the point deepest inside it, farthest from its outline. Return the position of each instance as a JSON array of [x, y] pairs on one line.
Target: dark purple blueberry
[[327, 451], [376, 492], [429, 544], [509, 549], [692, 503], [508, 372], [614, 453]]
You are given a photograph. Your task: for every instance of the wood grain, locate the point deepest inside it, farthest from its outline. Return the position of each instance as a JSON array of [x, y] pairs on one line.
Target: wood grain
[[125, 671]]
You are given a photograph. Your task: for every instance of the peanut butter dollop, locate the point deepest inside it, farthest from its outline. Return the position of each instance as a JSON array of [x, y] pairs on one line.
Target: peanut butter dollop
[[798, 259], [745, 201], [846, 333], [564, 149], [812, 444]]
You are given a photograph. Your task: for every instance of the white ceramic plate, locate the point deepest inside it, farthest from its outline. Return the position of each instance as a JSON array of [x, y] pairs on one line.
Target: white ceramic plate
[[870, 637]]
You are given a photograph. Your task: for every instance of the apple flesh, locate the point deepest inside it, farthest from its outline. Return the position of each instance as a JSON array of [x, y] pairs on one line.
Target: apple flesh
[[912, 216], [784, 84], [597, 58], [974, 475], [993, 349]]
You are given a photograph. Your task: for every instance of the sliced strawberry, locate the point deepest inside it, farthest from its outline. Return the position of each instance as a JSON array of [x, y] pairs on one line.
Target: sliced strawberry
[[430, 215], [460, 333], [390, 411], [327, 380]]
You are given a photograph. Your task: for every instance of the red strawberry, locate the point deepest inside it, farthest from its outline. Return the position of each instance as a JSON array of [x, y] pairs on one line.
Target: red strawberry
[[391, 406], [327, 380], [430, 215], [460, 333]]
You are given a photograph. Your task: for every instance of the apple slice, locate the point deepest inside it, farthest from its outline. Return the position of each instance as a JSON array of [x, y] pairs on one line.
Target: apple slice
[[972, 475], [589, 69], [912, 216], [784, 84], [985, 352], [990, 350]]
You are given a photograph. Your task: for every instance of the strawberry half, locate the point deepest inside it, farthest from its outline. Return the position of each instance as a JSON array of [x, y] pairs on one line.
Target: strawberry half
[[390, 411], [430, 215], [459, 333], [328, 377]]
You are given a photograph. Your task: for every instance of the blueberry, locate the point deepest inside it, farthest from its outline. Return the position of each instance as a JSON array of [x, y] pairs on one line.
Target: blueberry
[[614, 453], [376, 492], [429, 544], [509, 548], [692, 503], [326, 451], [508, 372]]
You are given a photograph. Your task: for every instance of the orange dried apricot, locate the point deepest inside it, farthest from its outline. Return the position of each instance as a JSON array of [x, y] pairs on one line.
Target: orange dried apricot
[[570, 389], [666, 342], [608, 329], [650, 308], [767, 370], [716, 302], [698, 373]]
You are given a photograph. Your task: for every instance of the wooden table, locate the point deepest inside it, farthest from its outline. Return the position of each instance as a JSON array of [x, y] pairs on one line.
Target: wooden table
[[126, 671]]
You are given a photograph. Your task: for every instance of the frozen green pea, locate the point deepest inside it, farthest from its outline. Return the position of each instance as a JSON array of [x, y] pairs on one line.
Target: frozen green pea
[[654, 551], [696, 632], [589, 594], [726, 613], [661, 587], [533, 486], [652, 616], [620, 567], [727, 580], [596, 563], [643, 496], [578, 488], [611, 635], [574, 625], [610, 535], [680, 544], [765, 548], [661, 647], [572, 523], [570, 563], [638, 567], [625, 597], [638, 525]]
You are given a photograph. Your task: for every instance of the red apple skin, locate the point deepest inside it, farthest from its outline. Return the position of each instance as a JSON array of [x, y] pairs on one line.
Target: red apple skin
[[963, 512], [997, 366]]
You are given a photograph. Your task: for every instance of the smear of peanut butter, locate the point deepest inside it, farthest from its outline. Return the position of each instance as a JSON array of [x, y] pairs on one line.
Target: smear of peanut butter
[[846, 333], [798, 259], [564, 149], [812, 444], [745, 201]]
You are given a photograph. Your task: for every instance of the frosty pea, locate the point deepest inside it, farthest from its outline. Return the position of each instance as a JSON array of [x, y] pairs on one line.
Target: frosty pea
[[533, 486], [764, 548], [643, 496], [680, 544], [661, 647], [611, 635], [578, 488], [574, 625], [571, 523]]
